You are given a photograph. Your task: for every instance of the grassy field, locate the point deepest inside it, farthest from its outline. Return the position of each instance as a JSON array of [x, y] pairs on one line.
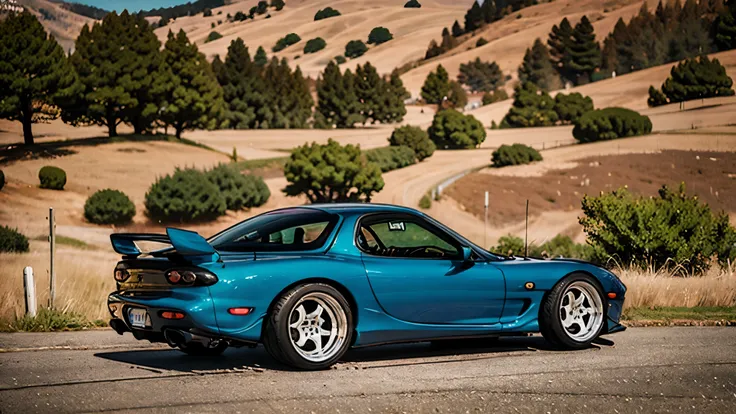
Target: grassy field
[[672, 313]]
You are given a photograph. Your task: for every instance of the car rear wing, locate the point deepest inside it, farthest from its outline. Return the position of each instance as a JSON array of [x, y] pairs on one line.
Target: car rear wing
[[185, 242]]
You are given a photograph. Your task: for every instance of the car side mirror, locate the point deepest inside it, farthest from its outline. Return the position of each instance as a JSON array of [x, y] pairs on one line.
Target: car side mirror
[[467, 252]]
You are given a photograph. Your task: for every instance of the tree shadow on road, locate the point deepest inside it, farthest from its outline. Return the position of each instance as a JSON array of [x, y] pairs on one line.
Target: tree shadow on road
[[245, 359]]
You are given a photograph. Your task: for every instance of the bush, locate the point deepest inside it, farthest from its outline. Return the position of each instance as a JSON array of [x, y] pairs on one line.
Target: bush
[[328, 173], [412, 4], [213, 36], [656, 97], [559, 246], [457, 97], [355, 48], [11, 240], [671, 230], [326, 13], [493, 97], [207, 12], [697, 78], [481, 76], [452, 130], [53, 178], [571, 107], [379, 35], [315, 45], [415, 138], [240, 191], [425, 203], [481, 42], [531, 108], [286, 41], [340, 59], [516, 154], [109, 207], [391, 158], [2, 180], [185, 196], [610, 123]]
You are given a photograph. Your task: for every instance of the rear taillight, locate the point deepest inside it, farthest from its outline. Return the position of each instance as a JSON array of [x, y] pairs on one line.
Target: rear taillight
[[121, 275], [172, 315], [190, 277]]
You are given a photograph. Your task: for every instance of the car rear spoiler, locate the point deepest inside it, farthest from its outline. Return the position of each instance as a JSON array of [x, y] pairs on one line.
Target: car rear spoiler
[[185, 242]]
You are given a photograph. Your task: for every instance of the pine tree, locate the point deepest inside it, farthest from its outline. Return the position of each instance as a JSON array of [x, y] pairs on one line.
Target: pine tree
[[610, 60], [697, 79], [474, 17], [537, 68], [489, 11], [436, 87], [448, 42], [34, 73], [242, 86], [303, 102], [481, 76], [393, 109], [457, 30], [370, 90], [584, 52], [120, 67], [260, 59], [560, 39], [337, 103], [457, 97], [725, 27], [194, 99]]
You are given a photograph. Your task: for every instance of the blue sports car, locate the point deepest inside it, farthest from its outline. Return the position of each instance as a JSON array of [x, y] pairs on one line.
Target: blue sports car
[[310, 282]]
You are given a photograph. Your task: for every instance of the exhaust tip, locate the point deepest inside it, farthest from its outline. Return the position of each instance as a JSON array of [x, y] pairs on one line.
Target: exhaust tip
[[118, 326]]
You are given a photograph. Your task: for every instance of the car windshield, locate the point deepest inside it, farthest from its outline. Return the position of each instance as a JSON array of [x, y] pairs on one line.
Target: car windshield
[[293, 229]]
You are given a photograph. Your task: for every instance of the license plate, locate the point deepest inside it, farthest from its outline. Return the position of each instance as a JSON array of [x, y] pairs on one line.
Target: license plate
[[138, 317]]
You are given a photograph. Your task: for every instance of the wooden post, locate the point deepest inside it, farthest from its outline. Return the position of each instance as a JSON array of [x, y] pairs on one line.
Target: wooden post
[[485, 223]]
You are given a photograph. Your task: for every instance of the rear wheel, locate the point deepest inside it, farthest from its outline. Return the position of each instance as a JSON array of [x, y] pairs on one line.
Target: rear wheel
[[573, 312], [309, 327], [196, 349]]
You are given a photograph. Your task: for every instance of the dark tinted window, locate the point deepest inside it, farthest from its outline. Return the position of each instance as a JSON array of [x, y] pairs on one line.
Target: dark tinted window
[[293, 229]]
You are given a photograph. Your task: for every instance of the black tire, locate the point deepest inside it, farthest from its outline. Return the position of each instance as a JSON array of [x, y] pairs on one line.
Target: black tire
[[550, 320], [195, 349], [277, 333]]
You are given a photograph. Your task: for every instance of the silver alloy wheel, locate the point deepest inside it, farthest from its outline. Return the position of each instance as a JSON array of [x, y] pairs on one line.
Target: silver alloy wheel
[[318, 327], [581, 311]]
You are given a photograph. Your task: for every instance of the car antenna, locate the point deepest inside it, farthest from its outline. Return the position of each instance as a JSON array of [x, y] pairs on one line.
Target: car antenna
[[526, 232]]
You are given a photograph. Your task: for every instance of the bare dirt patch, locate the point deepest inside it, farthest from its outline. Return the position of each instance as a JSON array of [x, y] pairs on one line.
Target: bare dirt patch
[[709, 175]]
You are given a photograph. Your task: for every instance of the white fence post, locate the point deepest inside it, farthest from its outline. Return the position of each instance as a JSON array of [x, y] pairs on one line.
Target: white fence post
[[52, 247], [30, 287]]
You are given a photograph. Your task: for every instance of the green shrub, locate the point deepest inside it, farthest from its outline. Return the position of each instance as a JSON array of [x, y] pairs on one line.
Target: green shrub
[[452, 130], [379, 35], [571, 107], [415, 138], [11, 240], [286, 41], [531, 108], [185, 196], [53, 178], [497, 96], [656, 97], [213, 36], [391, 158], [610, 123], [516, 154], [109, 207], [340, 59], [240, 191], [559, 246], [425, 203], [671, 230], [697, 78], [315, 45], [481, 42], [2, 180], [326, 13], [412, 4], [355, 48]]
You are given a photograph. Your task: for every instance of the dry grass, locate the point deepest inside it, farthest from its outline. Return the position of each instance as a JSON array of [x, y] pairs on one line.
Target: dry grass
[[83, 281], [649, 288]]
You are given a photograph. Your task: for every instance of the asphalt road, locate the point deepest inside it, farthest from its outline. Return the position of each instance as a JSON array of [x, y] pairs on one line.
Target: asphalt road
[[644, 370]]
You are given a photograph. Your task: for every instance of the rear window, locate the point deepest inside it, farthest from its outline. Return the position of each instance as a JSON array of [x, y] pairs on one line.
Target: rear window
[[294, 229]]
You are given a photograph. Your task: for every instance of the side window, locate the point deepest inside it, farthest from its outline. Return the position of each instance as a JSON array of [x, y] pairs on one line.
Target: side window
[[400, 238], [298, 235]]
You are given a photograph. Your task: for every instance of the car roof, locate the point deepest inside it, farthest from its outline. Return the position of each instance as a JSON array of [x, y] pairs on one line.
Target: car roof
[[361, 208]]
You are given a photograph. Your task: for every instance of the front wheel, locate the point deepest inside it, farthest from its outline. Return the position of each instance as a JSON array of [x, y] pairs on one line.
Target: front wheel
[[309, 327], [573, 312]]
